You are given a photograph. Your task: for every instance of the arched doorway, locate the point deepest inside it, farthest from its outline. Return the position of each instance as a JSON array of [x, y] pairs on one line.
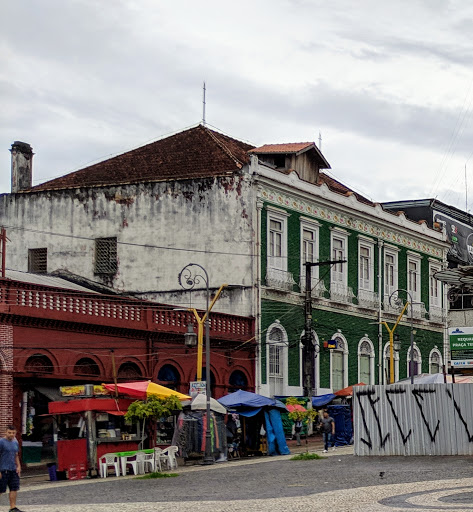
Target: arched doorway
[[169, 376], [86, 366], [237, 381], [39, 363], [129, 371]]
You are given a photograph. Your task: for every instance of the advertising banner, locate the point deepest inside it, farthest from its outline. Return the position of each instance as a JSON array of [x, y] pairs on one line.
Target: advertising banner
[[460, 236], [197, 387]]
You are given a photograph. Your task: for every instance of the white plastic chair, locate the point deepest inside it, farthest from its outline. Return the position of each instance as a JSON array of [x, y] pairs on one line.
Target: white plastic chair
[[168, 456], [136, 462], [109, 460], [149, 459], [157, 458]]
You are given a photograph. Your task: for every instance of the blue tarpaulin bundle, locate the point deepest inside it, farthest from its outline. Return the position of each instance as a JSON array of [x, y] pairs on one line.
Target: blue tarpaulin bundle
[[343, 423]]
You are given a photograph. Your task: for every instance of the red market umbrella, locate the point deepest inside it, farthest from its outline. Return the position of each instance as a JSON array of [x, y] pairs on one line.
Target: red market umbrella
[[295, 407], [143, 389], [348, 391]]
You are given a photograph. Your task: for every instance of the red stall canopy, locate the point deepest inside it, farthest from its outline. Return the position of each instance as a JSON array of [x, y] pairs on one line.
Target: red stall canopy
[[109, 405]]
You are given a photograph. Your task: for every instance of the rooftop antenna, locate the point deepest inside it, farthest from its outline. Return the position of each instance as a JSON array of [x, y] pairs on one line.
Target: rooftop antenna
[[466, 192], [320, 141], [203, 106]]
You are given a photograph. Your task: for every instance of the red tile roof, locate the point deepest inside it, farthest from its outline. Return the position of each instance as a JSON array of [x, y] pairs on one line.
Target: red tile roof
[[293, 147], [340, 188], [193, 153]]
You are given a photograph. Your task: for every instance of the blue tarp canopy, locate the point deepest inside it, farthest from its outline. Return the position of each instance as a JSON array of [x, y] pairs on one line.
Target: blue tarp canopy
[[321, 400], [246, 399]]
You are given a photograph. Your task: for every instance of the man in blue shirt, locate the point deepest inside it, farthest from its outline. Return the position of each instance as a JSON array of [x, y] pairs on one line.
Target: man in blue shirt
[[10, 467]]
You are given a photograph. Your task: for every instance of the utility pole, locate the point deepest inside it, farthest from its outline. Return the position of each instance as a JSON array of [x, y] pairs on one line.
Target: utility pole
[[308, 351]]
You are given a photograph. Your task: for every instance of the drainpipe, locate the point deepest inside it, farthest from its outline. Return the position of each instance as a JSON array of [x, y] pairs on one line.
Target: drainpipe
[[259, 208], [380, 326]]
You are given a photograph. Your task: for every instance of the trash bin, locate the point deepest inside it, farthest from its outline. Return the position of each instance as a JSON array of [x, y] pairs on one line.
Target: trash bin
[[52, 472]]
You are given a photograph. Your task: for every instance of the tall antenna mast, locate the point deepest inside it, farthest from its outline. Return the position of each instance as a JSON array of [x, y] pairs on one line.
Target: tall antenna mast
[[466, 191], [203, 106], [320, 141]]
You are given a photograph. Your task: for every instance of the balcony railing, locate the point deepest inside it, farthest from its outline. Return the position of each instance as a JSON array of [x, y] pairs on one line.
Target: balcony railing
[[341, 293], [436, 314], [368, 299], [280, 279], [29, 300], [318, 286]]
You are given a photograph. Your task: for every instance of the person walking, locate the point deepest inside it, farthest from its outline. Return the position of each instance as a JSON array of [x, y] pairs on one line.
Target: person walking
[[10, 467], [328, 431]]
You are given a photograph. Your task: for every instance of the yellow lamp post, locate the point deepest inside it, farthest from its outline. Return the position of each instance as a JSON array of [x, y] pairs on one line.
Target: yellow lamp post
[[200, 332], [391, 342]]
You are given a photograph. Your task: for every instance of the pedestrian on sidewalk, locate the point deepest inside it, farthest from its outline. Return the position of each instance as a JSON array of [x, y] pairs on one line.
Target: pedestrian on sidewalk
[[328, 431], [297, 431], [10, 467]]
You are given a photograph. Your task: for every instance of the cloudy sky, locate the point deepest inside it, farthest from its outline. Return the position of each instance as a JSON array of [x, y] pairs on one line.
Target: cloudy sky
[[389, 85]]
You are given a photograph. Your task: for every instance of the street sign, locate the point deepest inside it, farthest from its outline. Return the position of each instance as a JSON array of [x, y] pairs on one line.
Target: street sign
[[197, 387], [332, 344], [461, 346]]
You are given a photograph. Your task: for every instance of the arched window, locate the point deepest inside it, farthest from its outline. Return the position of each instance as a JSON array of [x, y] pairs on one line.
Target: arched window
[[416, 361], [237, 381], [276, 340], [387, 367], [39, 363], [435, 361], [129, 371], [169, 376], [366, 361], [339, 363], [86, 366]]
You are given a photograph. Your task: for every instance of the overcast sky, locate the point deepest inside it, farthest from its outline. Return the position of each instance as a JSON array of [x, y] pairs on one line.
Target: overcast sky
[[389, 85]]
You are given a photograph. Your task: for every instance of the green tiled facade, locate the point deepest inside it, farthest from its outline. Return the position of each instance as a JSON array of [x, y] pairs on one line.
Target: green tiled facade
[[353, 322]]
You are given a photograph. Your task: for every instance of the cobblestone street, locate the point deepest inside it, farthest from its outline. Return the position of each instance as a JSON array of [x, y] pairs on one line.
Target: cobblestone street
[[340, 482]]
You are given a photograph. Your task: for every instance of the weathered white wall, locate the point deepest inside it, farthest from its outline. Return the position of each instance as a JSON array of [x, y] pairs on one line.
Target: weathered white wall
[[208, 221]]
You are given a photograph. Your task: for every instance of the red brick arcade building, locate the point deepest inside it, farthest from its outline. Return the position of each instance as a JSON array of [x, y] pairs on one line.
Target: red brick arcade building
[[52, 337]]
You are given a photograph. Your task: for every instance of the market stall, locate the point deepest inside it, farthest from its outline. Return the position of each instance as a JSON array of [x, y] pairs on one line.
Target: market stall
[[87, 428], [189, 434], [260, 419]]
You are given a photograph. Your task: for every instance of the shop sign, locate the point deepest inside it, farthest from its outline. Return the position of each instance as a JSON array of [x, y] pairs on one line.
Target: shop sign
[[80, 390], [197, 387], [461, 346]]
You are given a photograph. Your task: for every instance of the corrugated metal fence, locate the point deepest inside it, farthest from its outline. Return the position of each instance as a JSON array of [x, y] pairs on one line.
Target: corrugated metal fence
[[423, 419]]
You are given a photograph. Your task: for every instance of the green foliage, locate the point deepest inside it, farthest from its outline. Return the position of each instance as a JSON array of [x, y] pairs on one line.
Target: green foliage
[[153, 407], [156, 475], [307, 456], [304, 416]]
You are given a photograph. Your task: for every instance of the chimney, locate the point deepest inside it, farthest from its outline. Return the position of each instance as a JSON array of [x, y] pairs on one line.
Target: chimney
[[21, 166]]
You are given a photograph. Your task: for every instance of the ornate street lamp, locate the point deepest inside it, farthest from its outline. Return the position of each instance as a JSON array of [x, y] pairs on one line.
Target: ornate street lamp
[[191, 275], [395, 300]]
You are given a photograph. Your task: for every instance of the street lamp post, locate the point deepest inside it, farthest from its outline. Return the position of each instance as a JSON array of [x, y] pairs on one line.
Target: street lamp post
[[190, 276], [395, 300]]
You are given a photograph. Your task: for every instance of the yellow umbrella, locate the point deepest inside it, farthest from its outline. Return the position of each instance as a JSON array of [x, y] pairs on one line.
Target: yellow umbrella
[[143, 389]]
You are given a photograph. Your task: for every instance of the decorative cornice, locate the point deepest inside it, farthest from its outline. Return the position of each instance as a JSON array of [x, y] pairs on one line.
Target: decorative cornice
[[352, 221]]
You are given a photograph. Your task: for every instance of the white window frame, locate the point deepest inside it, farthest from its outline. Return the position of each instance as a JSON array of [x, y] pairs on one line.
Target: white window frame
[[436, 351], [414, 278], [313, 226], [371, 355], [435, 299], [339, 272], [277, 262], [366, 284], [386, 364], [419, 360], [390, 288], [344, 349], [283, 357]]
